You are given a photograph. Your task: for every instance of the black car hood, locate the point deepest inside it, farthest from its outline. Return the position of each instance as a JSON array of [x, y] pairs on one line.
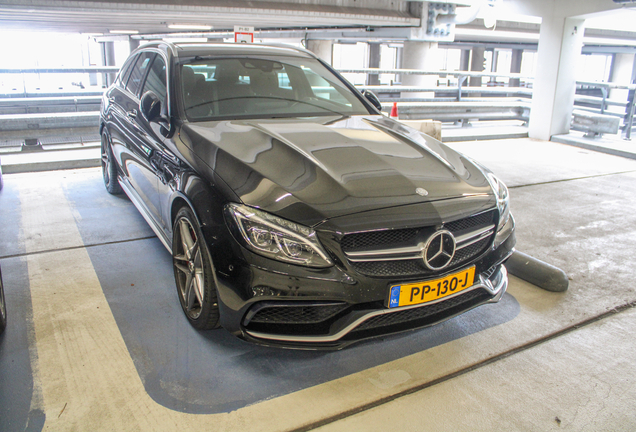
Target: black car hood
[[312, 169]]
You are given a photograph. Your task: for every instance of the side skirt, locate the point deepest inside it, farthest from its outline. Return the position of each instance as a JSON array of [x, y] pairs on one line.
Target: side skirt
[[145, 213]]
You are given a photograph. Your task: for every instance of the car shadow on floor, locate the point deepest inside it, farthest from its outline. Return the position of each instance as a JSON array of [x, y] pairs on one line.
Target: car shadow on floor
[[213, 371]]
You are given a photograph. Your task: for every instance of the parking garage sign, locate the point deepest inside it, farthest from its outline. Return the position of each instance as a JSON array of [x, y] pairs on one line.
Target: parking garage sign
[[243, 34]]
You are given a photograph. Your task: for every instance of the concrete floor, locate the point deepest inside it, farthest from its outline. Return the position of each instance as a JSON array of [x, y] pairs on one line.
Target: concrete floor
[[96, 339]]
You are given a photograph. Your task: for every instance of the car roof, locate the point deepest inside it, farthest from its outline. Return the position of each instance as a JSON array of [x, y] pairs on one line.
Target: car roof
[[189, 50]]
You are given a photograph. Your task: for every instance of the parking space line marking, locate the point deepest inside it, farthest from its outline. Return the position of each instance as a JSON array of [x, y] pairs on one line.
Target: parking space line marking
[[78, 247]]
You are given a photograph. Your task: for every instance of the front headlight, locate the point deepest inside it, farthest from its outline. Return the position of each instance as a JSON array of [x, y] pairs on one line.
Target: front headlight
[[503, 203], [278, 238]]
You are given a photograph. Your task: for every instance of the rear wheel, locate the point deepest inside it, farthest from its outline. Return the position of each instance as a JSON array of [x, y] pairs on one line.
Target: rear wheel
[[109, 170], [193, 272]]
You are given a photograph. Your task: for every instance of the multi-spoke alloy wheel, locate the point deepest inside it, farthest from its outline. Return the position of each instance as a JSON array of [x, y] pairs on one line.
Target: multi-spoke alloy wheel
[[109, 170], [193, 272]]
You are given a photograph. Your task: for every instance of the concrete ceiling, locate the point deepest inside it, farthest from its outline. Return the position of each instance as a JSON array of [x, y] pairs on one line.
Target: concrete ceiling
[[154, 16], [392, 19]]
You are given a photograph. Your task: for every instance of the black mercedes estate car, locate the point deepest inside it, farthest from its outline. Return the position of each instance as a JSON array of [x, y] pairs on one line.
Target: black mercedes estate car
[[296, 213]]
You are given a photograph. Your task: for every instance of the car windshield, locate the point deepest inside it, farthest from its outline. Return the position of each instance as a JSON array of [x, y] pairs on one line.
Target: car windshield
[[229, 88]]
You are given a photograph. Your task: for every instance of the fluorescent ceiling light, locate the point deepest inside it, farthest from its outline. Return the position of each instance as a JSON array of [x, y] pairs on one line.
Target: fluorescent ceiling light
[[124, 31], [608, 41], [185, 40], [498, 35], [190, 27]]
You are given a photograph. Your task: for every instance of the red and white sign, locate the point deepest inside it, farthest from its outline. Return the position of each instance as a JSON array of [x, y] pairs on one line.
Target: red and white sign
[[243, 34]]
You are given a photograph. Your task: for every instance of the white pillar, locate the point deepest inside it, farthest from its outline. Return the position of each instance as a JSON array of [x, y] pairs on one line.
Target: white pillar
[[322, 48], [422, 56], [560, 43]]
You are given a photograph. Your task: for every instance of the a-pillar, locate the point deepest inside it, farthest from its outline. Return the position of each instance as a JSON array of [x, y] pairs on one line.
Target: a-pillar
[[374, 62], [108, 59], [515, 67], [560, 42], [322, 48], [420, 56]]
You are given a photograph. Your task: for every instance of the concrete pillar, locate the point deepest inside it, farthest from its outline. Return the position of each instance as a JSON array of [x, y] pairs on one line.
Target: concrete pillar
[[374, 62], [622, 71], [515, 66], [108, 59], [477, 64], [560, 43], [133, 44], [464, 60], [399, 55], [422, 56], [493, 64], [322, 48]]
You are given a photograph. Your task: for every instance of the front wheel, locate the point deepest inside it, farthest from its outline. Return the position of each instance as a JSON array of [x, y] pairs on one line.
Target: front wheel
[[193, 272], [109, 170]]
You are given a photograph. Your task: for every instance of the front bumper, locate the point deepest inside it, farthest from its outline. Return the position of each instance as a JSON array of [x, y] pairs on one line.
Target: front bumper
[[354, 325]]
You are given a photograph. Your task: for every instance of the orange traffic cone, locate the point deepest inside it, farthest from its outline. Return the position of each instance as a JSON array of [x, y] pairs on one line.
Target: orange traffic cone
[[394, 113]]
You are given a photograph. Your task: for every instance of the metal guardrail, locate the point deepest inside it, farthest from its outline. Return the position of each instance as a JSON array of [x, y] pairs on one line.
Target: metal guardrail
[[38, 105], [87, 69], [600, 105], [31, 122], [454, 111]]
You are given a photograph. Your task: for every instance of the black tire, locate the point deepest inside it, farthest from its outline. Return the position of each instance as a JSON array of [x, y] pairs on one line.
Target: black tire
[[193, 272], [109, 169], [3, 308]]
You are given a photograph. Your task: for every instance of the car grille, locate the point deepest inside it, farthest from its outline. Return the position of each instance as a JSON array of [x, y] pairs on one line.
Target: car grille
[[416, 267], [385, 240], [425, 314], [296, 314], [353, 242]]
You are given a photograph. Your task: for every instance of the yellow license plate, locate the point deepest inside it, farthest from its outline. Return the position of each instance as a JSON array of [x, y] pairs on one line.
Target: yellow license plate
[[424, 292]]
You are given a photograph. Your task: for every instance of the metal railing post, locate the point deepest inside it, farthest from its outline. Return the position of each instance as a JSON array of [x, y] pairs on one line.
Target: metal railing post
[[460, 81], [604, 93], [630, 115]]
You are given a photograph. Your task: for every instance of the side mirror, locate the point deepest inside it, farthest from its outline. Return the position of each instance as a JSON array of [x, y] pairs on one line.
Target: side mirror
[[371, 97], [150, 107]]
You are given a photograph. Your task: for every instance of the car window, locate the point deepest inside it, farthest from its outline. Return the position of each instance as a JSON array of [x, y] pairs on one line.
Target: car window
[[156, 79], [138, 72], [322, 89], [264, 88], [125, 70]]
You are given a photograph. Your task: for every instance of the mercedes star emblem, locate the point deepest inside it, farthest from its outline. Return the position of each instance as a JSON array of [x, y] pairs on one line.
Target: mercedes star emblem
[[439, 250]]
